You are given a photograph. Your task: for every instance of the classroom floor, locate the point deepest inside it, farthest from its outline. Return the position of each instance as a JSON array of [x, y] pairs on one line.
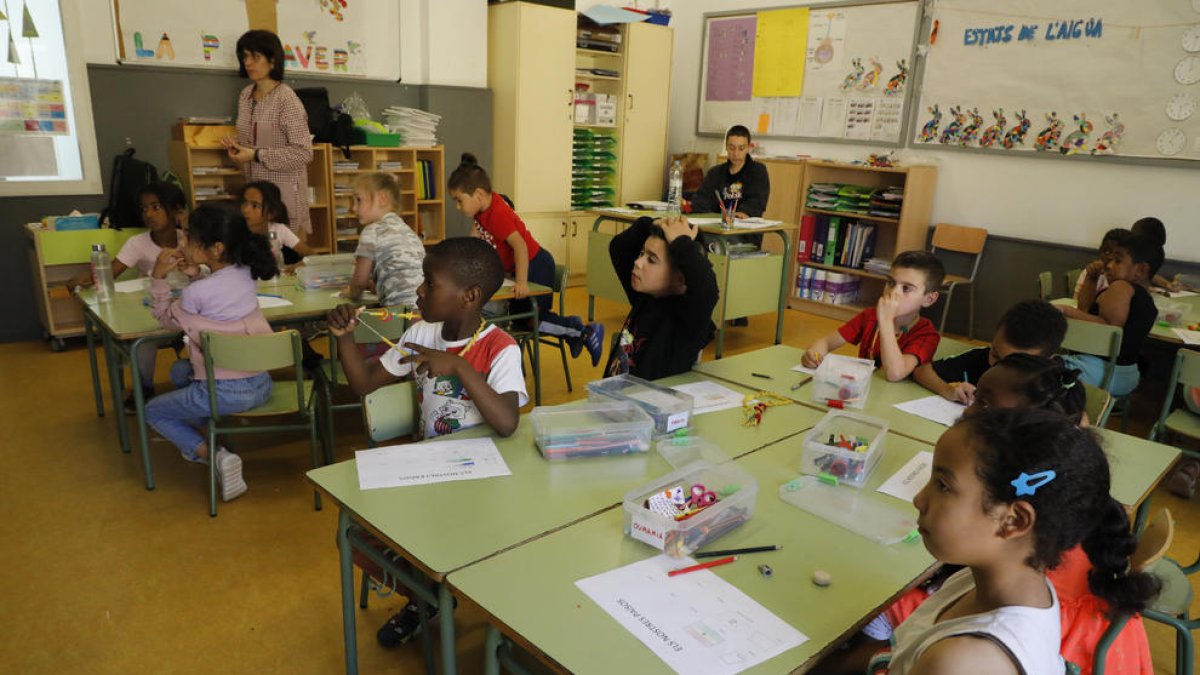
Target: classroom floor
[[102, 576]]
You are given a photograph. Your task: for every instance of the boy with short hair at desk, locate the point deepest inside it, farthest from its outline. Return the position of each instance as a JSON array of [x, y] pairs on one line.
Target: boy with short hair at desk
[[1028, 327], [467, 372], [1125, 303], [671, 285], [893, 333]]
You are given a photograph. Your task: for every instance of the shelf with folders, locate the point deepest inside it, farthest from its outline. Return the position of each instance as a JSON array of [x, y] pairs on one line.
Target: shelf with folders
[[593, 169]]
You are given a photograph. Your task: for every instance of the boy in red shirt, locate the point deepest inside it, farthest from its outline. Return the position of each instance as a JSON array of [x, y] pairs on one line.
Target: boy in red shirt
[[497, 224], [893, 333]]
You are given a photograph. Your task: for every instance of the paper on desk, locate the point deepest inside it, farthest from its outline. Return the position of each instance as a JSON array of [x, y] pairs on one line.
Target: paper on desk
[[424, 463], [908, 481], [132, 285], [1181, 294], [268, 301], [704, 221], [1190, 337], [933, 408], [650, 205], [618, 209], [710, 397], [755, 223], [697, 623], [801, 368]]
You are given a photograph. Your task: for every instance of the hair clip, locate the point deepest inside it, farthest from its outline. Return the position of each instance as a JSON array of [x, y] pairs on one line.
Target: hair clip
[[1027, 484]]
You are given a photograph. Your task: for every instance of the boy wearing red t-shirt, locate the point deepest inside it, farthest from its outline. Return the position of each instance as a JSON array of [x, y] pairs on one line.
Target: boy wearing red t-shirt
[[893, 333], [497, 224]]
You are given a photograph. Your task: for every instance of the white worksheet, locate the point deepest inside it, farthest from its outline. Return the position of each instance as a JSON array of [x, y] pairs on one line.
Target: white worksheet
[[908, 481], [424, 463], [697, 623], [933, 408], [132, 285], [1189, 337], [801, 368], [710, 397], [269, 301]]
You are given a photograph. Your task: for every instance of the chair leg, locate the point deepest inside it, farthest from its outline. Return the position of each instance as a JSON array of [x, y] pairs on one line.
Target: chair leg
[[562, 350], [1184, 649], [316, 453], [946, 310], [971, 312], [212, 469]]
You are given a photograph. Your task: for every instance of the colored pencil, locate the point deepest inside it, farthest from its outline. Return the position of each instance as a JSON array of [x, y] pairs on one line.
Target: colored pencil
[[702, 566]]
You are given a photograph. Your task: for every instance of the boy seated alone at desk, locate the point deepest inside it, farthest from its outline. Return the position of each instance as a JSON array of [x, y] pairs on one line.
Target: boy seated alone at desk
[[893, 333], [671, 285], [467, 372], [1028, 327]]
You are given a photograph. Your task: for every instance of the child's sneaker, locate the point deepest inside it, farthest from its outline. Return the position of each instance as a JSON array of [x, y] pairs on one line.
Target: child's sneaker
[[229, 475], [593, 339], [403, 626], [131, 405]]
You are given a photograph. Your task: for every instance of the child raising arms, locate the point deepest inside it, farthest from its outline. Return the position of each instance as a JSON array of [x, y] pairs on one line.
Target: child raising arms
[[468, 372], [1012, 490], [265, 213], [672, 289], [389, 253], [522, 257], [893, 333], [226, 301]]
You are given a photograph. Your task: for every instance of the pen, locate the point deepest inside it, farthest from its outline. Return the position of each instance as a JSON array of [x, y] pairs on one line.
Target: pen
[[797, 385], [702, 566], [737, 551], [966, 379], [765, 377], [270, 295]]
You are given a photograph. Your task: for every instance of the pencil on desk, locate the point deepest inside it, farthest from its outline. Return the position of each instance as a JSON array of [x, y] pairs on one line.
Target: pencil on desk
[[702, 566]]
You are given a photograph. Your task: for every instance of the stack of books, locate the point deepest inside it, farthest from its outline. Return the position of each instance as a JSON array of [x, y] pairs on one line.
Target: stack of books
[[417, 128], [886, 203], [839, 197], [593, 169]]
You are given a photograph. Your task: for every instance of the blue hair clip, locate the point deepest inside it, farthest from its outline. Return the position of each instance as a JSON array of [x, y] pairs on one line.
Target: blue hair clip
[[1027, 484]]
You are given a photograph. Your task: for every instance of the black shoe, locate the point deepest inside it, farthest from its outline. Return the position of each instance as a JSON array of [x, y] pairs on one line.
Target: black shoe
[[403, 626], [131, 405], [739, 323]]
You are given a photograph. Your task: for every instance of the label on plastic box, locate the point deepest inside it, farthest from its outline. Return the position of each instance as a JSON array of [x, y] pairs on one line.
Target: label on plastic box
[[677, 421], [644, 530]]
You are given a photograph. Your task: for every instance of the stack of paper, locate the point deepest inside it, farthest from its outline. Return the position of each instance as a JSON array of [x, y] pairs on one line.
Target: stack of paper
[[417, 128]]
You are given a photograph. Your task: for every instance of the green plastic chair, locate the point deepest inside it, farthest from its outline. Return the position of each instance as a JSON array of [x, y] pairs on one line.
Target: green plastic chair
[[1184, 422], [331, 376], [1086, 337], [390, 411], [1099, 405], [1174, 599], [1072, 277], [294, 396], [1045, 285]]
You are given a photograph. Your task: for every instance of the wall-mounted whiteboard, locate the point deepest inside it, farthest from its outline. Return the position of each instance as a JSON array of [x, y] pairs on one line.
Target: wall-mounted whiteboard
[[1063, 77], [825, 72], [320, 37]]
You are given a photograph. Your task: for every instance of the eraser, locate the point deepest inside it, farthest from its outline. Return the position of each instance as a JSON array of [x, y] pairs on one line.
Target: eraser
[[822, 578]]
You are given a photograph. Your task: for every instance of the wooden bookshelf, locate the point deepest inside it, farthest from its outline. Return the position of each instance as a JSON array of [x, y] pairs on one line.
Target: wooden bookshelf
[[892, 235], [427, 216]]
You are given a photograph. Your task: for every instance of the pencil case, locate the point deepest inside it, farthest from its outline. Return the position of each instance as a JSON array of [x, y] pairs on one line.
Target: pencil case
[[591, 430], [654, 516]]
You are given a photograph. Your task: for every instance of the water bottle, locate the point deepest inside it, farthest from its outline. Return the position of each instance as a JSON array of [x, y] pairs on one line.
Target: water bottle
[[675, 191], [276, 251], [102, 276]]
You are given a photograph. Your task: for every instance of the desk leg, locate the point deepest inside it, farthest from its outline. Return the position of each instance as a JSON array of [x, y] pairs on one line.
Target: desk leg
[[783, 286], [89, 332], [491, 649], [537, 358], [349, 636], [446, 620], [139, 403], [724, 251], [1141, 515], [112, 360]]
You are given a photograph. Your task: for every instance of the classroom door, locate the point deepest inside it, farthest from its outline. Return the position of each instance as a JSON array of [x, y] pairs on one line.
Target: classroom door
[[647, 94]]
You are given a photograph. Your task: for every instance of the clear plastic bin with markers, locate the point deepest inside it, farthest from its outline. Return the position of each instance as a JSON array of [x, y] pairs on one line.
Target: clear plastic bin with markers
[[842, 381], [845, 446], [671, 410], [591, 429], [325, 271], [1170, 312], [690, 507]]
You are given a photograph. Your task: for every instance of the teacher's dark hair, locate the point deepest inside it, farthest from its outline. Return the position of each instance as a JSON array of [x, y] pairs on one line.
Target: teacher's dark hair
[[261, 42]]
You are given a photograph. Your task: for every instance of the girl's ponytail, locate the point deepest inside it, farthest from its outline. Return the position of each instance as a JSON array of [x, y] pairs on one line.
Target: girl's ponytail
[[1109, 546], [1049, 384], [255, 253], [211, 223]]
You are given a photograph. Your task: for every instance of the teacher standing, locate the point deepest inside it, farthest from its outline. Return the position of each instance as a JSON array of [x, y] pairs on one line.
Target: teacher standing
[[272, 141]]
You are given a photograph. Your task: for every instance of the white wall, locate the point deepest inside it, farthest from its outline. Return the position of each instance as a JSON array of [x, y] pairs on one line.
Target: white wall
[[1041, 199], [442, 42]]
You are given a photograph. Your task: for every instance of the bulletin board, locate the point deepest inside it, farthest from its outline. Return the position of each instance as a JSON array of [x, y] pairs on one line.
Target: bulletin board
[[831, 72], [1062, 78], [320, 37]]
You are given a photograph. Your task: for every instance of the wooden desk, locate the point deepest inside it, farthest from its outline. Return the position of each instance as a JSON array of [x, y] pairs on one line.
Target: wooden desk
[[444, 527], [529, 592], [747, 285]]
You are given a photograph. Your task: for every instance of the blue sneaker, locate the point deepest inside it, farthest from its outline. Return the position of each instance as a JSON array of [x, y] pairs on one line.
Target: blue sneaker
[[593, 340]]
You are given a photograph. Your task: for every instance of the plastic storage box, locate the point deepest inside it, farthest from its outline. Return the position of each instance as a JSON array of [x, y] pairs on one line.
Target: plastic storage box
[[591, 429], [326, 271], [680, 451], [670, 409], [844, 379], [736, 492], [844, 445], [1170, 312]]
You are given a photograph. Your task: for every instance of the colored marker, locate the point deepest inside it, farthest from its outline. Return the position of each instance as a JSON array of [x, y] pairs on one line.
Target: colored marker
[[765, 377], [270, 295], [737, 551], [702, 566]]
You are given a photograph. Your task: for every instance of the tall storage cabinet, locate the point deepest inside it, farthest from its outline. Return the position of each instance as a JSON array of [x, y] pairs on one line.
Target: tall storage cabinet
[[534, 69]]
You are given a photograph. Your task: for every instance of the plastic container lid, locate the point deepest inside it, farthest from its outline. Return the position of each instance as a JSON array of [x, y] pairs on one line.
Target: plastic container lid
[[853, 510]]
